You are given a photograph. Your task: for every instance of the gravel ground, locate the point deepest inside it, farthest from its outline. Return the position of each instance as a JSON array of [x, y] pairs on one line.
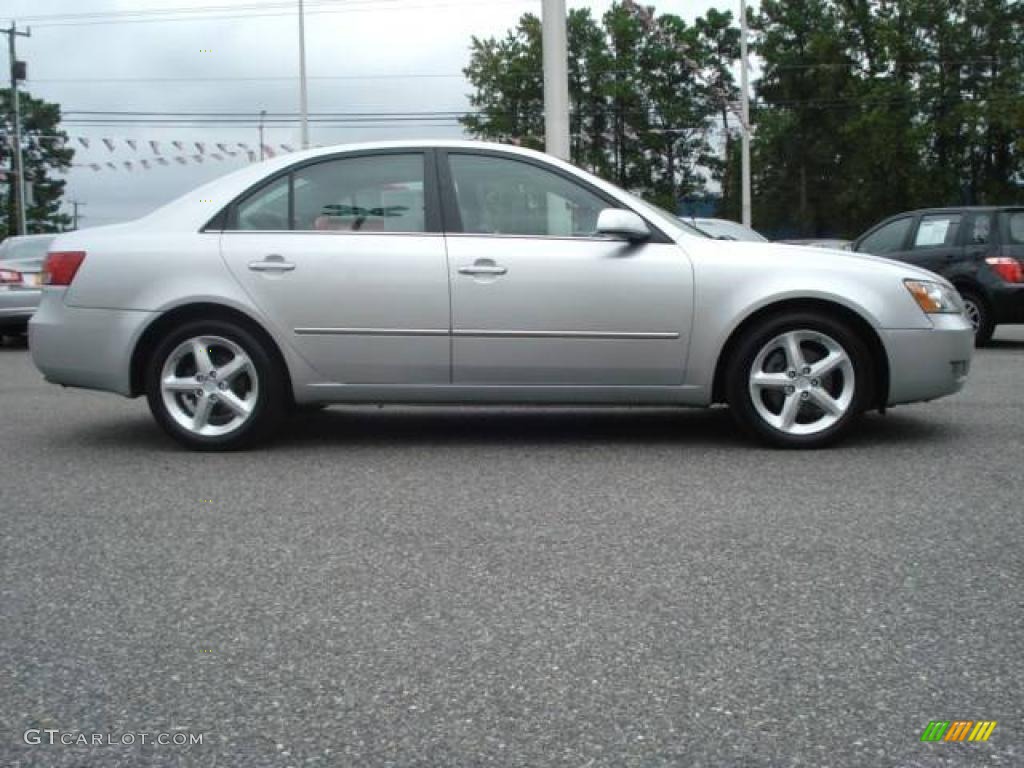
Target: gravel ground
[[502, 587]]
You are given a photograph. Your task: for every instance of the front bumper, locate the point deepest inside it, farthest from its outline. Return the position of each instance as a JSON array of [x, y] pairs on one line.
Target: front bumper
[[88, 348], [928, 364]]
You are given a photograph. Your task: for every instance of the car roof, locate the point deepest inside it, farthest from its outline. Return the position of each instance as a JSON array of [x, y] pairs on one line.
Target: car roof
[[959, 209]]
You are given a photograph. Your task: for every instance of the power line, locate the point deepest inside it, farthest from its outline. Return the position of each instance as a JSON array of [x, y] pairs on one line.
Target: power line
[[389, 5]]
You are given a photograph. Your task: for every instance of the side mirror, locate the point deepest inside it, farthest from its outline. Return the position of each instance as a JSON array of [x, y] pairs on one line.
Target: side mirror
[[618, 222]]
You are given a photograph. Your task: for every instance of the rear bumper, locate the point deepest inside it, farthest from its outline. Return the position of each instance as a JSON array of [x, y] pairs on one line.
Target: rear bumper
[[88, 348], [1007, 303], [928, 364], [17, 306]]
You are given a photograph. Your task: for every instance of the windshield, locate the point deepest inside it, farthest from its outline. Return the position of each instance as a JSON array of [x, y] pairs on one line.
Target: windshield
[[29, 250]]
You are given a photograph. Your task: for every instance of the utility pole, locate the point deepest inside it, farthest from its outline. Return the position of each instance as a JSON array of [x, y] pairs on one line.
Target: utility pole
[[263, 116], [17, 166], [303, 106], [745, 115], [74, 215], [555, 50]]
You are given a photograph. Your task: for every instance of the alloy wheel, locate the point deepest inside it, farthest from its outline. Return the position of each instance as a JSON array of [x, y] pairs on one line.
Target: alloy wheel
[[209, 386], [973, 314], [802, 382]]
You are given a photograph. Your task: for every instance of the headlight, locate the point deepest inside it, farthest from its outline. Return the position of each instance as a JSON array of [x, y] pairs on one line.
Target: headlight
[[934, 298]]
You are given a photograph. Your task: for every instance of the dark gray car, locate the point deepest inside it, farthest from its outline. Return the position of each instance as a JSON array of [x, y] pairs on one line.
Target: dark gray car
[[979, 250]]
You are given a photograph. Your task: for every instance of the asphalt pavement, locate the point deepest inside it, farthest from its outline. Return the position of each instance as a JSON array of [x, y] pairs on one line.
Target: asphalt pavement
[[512, 587]]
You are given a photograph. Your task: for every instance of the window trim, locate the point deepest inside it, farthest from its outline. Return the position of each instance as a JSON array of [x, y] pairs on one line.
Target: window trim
[[452, 219], [226, 220]]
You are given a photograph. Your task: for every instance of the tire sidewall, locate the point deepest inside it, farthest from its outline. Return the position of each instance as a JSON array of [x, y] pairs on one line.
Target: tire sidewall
[[269, 399], [986, 328], [739, 370]]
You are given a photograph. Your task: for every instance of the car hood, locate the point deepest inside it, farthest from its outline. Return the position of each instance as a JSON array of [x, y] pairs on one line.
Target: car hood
[[798, 256]]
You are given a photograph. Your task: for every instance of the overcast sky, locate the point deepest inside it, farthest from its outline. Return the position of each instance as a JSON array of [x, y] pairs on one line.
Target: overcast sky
[[362, 56]]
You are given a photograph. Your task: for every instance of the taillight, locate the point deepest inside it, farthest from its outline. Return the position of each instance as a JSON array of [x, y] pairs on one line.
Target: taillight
[[60, 267], [8, 276], [1009, 269]]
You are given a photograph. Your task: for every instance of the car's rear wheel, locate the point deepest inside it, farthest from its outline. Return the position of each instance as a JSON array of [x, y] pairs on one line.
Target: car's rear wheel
[[799, 380], [978, 313], [213, 385]]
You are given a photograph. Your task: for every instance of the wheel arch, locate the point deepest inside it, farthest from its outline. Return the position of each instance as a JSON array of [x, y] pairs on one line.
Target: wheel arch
[[156, 330], [833, 309]]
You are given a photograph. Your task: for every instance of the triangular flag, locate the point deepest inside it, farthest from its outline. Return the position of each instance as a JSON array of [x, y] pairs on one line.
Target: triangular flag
[[201, 147], [162, 161], [197, 158], [267, 149], [243, 145], [109, 143], [83, 141], [217, 156], [156, 147], [178, 145], [128, 164], [131, 143], [252, 156], [111, 166], [144, 164], [287, 148], [94, 166], [181, 160]]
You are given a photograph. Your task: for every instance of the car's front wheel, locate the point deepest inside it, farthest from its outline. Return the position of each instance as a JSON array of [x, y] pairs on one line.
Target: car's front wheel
[[213, 385], [799, 380]]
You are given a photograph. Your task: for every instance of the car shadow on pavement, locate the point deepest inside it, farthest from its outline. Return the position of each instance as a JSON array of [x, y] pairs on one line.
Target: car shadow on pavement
[[668, 426], [13, 343], [366, 426], [1004, 344]]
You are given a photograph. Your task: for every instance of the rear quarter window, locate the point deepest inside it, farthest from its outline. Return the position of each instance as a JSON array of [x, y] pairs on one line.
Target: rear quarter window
[[1015, 227]]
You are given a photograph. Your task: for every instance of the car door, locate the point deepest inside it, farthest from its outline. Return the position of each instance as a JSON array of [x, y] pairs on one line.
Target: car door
[[538, 298], [936, 243], [346, 259]]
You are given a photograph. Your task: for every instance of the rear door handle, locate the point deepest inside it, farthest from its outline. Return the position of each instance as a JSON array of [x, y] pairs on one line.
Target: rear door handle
[[272, 263]]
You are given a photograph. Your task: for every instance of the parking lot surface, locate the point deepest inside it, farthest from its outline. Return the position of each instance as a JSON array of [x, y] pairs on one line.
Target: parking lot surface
[[536, 587]]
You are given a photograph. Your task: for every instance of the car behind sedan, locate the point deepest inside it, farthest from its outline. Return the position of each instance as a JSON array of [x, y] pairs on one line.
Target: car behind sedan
[[979, 250], [21, 263], [463, 272]]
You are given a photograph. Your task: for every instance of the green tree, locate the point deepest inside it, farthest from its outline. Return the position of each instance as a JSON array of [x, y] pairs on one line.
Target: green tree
[[45, 153], [640, 88]]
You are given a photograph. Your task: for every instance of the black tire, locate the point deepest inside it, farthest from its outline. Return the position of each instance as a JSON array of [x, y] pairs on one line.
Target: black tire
[[271, 399], [985, 326], [740, 364]]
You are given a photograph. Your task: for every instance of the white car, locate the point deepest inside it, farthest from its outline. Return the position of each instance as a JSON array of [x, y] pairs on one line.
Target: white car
[[461, 272]]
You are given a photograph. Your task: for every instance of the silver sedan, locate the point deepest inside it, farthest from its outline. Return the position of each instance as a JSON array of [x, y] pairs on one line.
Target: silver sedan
[[21, 263], [462, 272]]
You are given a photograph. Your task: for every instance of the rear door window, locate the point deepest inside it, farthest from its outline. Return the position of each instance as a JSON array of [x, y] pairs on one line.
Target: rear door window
[[979, 231], [1015, 227], [939, 230]]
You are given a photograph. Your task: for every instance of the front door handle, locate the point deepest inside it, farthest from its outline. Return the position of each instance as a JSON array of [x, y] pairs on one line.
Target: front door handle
[[483, 267], [272, 263]]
